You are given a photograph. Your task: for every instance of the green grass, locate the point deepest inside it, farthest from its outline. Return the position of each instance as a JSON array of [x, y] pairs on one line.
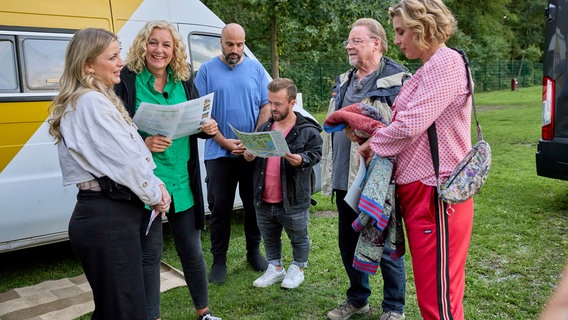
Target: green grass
[[518, 249]]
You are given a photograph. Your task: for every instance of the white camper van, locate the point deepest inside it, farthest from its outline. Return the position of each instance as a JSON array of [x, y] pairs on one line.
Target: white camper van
[[35, 207]]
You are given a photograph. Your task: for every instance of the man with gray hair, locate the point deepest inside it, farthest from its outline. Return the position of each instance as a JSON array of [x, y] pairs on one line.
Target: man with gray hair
[[374, 80]]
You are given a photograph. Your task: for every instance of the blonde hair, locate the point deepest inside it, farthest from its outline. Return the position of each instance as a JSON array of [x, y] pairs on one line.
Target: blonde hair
[[376, 30], [136, 58], [430, 20], [85, 46]]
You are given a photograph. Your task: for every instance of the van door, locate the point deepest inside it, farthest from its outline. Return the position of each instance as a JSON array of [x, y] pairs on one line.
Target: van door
[[552, 149]]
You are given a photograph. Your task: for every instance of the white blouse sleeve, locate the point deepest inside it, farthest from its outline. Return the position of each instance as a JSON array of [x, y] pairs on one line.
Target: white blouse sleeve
[[104, 144]]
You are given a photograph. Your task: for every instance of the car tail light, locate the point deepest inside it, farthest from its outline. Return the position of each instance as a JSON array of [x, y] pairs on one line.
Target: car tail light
[[548, 88]]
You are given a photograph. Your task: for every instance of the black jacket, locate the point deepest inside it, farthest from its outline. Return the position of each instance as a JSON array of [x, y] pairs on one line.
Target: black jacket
[[126, 90], [304, 139]]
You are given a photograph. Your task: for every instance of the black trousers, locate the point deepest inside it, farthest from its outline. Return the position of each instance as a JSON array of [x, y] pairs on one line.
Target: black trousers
[[187, 240], [223, 175], [106, 237]]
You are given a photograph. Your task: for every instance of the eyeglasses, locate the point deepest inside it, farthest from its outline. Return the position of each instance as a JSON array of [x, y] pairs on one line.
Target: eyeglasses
[[355, 42]]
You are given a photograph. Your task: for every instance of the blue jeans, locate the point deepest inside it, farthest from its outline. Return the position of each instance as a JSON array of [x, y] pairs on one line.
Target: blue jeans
[[392, 271], [272, 218]]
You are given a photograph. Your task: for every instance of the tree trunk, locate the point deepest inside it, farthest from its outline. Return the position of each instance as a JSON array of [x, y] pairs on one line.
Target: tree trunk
[[274, 43]]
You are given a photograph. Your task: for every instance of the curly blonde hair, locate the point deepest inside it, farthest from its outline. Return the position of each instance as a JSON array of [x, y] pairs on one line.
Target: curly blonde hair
[[136, 58], [85, 46], [430, 20]]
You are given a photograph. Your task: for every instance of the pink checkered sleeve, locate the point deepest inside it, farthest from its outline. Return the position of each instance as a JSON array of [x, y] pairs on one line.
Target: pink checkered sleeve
[[437, 92]]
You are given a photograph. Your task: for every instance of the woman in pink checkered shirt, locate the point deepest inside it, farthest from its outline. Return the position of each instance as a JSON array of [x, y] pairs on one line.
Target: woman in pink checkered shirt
[[438, 92]]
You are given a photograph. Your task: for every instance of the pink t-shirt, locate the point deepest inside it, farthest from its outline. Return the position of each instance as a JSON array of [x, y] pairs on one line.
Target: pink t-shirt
[[437, 92], [272, 180]]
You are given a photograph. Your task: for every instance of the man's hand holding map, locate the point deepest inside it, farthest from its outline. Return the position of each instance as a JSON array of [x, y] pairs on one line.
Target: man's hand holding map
[[263, 144]]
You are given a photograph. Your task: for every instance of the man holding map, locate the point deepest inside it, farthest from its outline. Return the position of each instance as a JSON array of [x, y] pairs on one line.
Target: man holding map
[[282, 186]]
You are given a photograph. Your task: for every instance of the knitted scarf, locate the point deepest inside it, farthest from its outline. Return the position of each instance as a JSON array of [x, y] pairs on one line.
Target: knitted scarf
[[378, 222]]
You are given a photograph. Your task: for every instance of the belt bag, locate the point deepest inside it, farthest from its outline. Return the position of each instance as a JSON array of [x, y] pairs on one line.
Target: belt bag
[[470, 174], [114, 190]]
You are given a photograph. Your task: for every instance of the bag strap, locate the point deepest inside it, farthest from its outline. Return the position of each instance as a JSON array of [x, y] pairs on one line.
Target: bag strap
[[470, 86], [433, 136], [433, 140]]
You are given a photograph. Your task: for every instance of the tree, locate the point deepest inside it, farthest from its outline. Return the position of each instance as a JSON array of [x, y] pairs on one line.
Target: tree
[[482, 22], [527, 29], [274, 41]]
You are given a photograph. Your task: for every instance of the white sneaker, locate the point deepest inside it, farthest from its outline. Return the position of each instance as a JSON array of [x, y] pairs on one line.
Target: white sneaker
[[270, 277], [209, 316], [293, 278]]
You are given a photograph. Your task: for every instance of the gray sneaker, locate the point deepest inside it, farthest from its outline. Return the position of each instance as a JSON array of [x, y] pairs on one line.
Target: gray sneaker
[[346, 310], [392, 315]]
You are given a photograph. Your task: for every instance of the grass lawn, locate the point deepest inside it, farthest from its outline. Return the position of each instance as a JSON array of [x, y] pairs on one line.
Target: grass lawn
[[518, 249]]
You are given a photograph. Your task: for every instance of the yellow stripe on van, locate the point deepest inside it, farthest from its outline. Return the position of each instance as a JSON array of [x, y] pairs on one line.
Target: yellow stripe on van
[[66, 14], [122, 11], [20, 120]]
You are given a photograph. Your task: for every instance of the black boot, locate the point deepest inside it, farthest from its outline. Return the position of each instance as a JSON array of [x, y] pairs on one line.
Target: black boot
[[218, 273], [257, 261]]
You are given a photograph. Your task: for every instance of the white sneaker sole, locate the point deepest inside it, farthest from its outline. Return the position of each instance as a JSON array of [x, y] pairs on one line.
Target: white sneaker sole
[[265, 285]]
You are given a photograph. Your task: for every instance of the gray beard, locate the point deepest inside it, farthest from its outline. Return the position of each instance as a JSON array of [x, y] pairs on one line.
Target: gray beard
[[232, 61]]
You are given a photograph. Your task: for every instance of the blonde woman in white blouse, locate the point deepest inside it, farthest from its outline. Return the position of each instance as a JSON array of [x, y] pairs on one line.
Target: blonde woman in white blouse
[[96, 138]]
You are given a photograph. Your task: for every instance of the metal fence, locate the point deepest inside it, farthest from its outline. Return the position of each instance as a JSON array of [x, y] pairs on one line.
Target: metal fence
[[316, 81], [498, 76]]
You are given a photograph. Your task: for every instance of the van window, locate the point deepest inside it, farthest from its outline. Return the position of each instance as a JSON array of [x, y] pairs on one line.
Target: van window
[[203, 48], [43, 61], [9, 74]]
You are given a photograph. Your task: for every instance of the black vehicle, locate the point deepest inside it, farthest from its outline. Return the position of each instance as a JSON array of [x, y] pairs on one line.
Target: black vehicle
[[552, 150]]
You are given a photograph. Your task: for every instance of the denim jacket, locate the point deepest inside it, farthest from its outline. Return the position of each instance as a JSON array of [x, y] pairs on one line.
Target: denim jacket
[[303, 139]]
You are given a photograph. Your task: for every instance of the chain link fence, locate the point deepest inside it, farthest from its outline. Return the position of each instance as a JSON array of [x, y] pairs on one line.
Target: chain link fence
[[316, 81]]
